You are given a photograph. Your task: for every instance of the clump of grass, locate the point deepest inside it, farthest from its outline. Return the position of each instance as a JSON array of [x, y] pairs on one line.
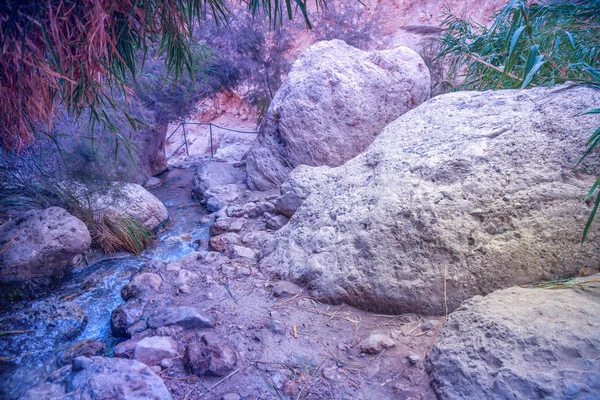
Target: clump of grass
[[118, 233]]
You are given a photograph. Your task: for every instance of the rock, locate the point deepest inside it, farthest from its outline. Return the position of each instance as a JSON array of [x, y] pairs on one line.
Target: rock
[[290, 387], [333, 373], [520, 343], [81, 362], [125, 349], [48, 324], [376, 342], [209, 356], [332, 104], [152, 350], [125, 320], [231, 396], [116, 378], [166, 363], [142, 285], [130, 200], [185, 317], [211, 174], [285, 289], [277, 222], [224, 225], [427, 326], [243, 252], [235, 211], [474, 187], [276, 326], [45, 391], [40, 244], [225, 242], [152, 182], [414, 359], [288, 203], [219, 197], [87, 348], [255, 239], [185, 277]]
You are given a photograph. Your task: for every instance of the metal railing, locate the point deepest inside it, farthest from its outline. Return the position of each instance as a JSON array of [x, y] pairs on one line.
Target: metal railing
[[210, 127]]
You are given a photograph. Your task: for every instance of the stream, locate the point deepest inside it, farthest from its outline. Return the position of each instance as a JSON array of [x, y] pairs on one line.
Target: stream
[[27, 358]]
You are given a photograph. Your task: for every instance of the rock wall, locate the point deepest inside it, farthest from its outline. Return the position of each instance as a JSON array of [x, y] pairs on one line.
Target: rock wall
[[333, 103], [468, 193]]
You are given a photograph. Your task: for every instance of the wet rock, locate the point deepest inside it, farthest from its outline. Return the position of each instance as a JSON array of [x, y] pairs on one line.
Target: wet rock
[[126, 317], [45, 391], [288, 203], [130, 200], [142, 286], [45, 326], [125, 349], [383, 228], [211, 174], [520, 343], [40, 244], [185, 317], [225, 242], [116, 378], [209, 356], [152, 182], [285, 289], [277, 222], [152, 350], [243, 252], [87, 348], [328, 109], [376, 342]]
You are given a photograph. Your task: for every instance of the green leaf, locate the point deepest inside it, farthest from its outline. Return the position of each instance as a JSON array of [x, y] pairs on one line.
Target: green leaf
[[592, 215]]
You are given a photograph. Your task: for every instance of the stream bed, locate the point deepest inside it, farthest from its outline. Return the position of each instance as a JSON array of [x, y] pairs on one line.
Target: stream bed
[[52, 324]]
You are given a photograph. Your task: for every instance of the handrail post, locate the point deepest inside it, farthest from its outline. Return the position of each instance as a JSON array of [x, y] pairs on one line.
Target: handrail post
[[187, 151], [211, 141]]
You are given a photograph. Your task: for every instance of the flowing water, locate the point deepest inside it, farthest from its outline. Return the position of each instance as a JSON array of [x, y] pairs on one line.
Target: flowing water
[[26, 359]]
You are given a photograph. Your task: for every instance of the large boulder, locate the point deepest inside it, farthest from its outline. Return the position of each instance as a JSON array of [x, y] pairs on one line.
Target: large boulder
[[129, 200], [114, 378], [41, 244], [521, 343], [211, 174], [468, 193], [332, 104]]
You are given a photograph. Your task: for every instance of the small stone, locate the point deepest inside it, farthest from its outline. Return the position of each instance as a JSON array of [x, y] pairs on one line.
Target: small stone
[[375, 343], [333, 373], [152, 182], [141, 286], [186, 317], [286, 289], [87, 348], [156, 369], [235, 211], [125, 349], [429, 334], [276, 326], [243, 252], [231, 396], [427, 326], [288, 204], [124, 317], [186, 289], [154, 349], [210, 356], [290, 388], [414, 359], [277, 222], [210, 296], [81, 362], [166, 363]]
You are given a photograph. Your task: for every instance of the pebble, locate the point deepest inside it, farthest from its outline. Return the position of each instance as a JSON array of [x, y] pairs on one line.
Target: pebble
[[231, 396], [414, 359], [166, 363], [427, 326]]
